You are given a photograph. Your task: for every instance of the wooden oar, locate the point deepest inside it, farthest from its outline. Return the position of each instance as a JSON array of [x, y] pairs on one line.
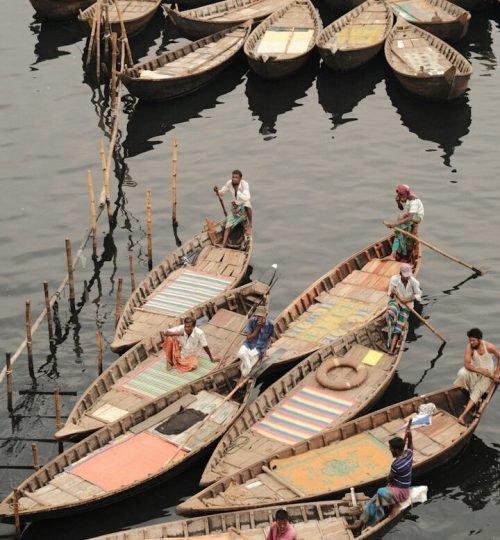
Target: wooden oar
[[420, 318], [238, 532], [221, 201], [434, 248]]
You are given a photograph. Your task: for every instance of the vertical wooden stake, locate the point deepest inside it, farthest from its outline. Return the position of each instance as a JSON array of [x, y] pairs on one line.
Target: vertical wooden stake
[[114, 49], [57, 406], [98, 41], [123, 62], [8, 373], [17, 520], [132, 273], [118, 307], [104, 168], [93, 218], [98, 337], [149, 230], [36, 459], [174, 182], [29, 343], [71, 279], [48, 309]]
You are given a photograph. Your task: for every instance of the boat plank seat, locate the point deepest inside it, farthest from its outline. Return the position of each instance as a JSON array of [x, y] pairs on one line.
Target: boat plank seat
[[360, 293], [382, 268], [330, 528], [367, 279], [271, 486], [114, 404]]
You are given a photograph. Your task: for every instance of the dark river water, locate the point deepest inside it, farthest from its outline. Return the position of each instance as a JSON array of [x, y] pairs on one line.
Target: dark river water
[[322, 153]]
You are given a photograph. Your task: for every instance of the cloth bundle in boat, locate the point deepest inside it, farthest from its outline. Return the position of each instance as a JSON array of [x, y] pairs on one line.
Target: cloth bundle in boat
[[359, 35], [285, 41], [353, 461], [186, 291], [307, 412], [415, 10], [180, 422]]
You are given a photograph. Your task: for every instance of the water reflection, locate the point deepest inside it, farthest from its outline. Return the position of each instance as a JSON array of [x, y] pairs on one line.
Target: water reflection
[[445, 124], [52, 35], [268, 99], [340, 93], [478, 42]]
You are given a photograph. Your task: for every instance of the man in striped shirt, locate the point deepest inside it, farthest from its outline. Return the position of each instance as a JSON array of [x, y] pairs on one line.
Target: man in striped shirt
[[398, 487]]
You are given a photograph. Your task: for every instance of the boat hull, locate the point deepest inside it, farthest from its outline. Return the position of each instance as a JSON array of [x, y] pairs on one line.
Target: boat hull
[[60, 9]]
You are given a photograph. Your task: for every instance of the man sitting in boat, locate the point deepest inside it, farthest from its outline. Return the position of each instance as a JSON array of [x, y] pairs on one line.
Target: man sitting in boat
[[281, 529], [412, 214], [479, 369], [240, 192], [182, 344], [259, 331], [403, 290], [398, 488]]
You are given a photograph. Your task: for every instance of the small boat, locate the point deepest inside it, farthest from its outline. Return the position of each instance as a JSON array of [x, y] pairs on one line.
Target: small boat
[[140, 375], [144, 448], [348, 296], [425, 65], [353, 455], [284, 41], [355, 38], [326, 520], [212, 18], [441, 18], [187, 68], [60, 9], [195, 273], [303, 404], [135, 14]]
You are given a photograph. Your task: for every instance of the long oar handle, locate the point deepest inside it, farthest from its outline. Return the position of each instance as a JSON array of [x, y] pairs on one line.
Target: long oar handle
[[221, 201], [420, 318], [437, 250]]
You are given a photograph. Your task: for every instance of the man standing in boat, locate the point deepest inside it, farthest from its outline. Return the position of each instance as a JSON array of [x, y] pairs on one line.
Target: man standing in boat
[[479, 369], [403, 290], [281, 529], [409, 220], [183, 343]]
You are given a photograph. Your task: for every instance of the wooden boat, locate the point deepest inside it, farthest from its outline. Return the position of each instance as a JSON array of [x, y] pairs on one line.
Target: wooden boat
[[140, 375], [176, 285], [146, 447], [355, 38], [355, 454], [299, 405], [135, 14], [59, 9], [425, 65], [441, 18], [348, 296], [284, 41], [187, 68], [326, 520], [212, 18]]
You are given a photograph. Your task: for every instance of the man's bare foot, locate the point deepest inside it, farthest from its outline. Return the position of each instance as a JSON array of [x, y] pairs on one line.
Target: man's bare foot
[[390, 257], [461, 420], [355, 525]]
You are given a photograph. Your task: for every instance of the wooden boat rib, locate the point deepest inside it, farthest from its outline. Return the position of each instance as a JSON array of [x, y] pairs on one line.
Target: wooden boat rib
[[276, 419], [140, 375], [159, 297], [59, 9], [136, 452], [355, 38], [441, 18], [425, 65], [284, 41], [135, 14], [355, 454], [185, 69], [327, 520], [205, 20], [348, 296]]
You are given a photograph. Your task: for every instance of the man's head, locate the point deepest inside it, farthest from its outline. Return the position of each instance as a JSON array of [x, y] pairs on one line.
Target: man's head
[[261, 313], [189, 324], [405, 271], [236, 177], [282, 519], [402, 192], [475, 336], [396, 446]]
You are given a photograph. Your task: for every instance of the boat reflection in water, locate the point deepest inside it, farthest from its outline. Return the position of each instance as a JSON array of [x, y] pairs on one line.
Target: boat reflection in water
[[268, 99], [340, 93], [478, 42], [52, 35]]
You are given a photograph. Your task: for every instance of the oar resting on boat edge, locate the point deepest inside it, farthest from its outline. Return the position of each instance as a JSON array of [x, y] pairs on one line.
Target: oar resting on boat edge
[[421, 319]]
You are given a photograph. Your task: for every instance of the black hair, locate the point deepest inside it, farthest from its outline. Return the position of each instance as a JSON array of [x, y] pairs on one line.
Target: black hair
[[238, 172], [282, 514], [475, 333], [191, 320], [397, 443]]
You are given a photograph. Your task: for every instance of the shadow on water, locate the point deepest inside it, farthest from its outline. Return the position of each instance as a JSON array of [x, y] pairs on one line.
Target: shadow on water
[[147, 121], [268, 99], [340, 93], [478, 42]]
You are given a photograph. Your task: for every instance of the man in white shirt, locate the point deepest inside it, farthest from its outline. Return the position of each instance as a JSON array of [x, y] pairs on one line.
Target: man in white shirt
[[412, 214], [403, 290], [182, 344]]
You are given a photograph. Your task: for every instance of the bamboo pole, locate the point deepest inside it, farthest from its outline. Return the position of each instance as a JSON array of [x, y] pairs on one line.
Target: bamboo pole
[[174, 182], [124, 34], [132, 272], [114, 47], [17, 520], [90, 49], [428, 324], [436, 249], [104, 193], [48, 310], [57, 406], [98, 336], [98, 41], [93, 219], [36, 459], [118, 306], [123, 62], [8, 368], [71, 278], [149, 230], [29, 343]]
